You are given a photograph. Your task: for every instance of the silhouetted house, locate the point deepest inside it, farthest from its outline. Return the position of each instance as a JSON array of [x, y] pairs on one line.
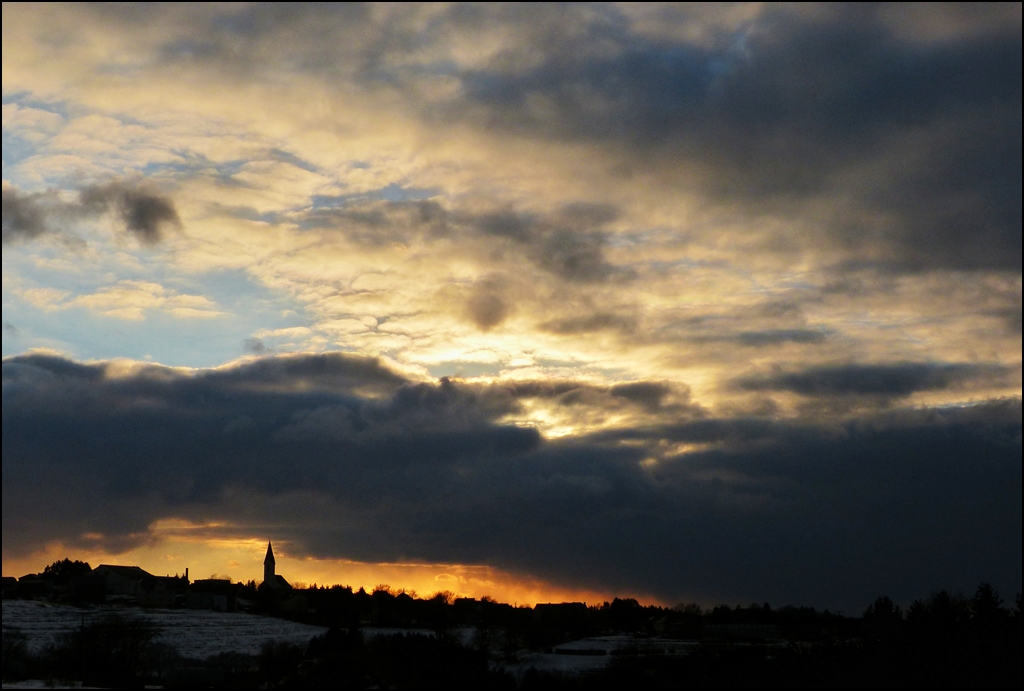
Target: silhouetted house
[[561, 616], [162, 591], [271, 581], [10, 586], [218, 594], [466, 610], [35, 585], [120, 583], [134, 584]]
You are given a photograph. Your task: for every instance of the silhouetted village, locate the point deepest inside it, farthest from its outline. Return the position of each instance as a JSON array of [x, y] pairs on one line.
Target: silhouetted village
[[393, 639]]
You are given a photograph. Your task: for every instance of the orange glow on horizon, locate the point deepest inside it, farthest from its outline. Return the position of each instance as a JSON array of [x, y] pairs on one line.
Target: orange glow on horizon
[[242, 560]]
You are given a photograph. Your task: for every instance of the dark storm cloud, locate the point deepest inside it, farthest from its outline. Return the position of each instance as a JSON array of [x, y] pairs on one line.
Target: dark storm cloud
[[256, 346], [490, 301], [597, 321], [574, 255], [379, 223], [919, 142], [775, 336], [767, 324], [1012, 317], [144, 211], [569, 244], [887, 381], [24, 215], [829, 514], [891, 134], [648, 394], [888, 140], [158, 438], [487, 307], [878, 490], [768, 337], [664, 398], [330, 372], [138, 205]]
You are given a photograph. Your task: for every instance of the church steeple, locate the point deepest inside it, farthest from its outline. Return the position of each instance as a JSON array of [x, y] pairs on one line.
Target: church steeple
[[271, 580], [269, 565]]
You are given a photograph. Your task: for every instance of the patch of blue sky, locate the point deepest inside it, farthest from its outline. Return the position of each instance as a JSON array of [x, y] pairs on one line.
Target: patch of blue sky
[[331, 201], [15, 150], [159, 337], [52, 265], [24, 99], [248, 213], [288, 157], [15, 97], [392, 193], [25, 329], [190, 163], [245, 306], [20, 144], [397, 193]]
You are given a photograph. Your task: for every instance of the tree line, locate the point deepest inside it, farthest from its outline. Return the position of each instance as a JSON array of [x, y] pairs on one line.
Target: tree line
[[945, 640]]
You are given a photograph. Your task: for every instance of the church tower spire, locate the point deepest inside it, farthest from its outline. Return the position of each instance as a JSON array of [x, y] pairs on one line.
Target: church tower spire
[[269, 565]]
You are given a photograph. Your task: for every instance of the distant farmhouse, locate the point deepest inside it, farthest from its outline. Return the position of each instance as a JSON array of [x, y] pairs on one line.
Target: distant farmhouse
[[106, 583], [133, 584]]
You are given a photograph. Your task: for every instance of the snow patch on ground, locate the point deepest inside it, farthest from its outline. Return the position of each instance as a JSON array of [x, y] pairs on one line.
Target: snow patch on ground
[[195, 634]]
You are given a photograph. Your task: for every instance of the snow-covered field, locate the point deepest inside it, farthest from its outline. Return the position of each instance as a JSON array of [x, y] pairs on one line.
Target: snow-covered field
[[589, 654], [193, 633], [199, 634]]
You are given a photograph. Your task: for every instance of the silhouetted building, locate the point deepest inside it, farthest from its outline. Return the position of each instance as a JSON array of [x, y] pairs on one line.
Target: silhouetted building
[[271, 581], [35, 585], [562, 615], [133, 584], [162, 591], [218, 594], [564, 609], [120, 583], [466, 609]]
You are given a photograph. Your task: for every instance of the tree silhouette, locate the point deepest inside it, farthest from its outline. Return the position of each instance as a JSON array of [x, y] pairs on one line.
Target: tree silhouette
[[64, 570], [986, 604]]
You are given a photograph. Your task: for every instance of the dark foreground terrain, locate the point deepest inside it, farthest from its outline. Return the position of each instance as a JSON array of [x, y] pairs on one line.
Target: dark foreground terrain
[[945, 641]]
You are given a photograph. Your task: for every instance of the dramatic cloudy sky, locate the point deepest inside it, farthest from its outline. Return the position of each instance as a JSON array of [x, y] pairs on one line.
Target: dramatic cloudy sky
[[707, 303]]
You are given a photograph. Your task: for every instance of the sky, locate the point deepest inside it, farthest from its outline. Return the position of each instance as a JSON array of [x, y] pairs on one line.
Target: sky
[[703, 303]]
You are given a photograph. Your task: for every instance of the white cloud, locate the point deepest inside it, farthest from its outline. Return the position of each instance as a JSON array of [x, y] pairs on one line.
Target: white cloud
[[128, 299]]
